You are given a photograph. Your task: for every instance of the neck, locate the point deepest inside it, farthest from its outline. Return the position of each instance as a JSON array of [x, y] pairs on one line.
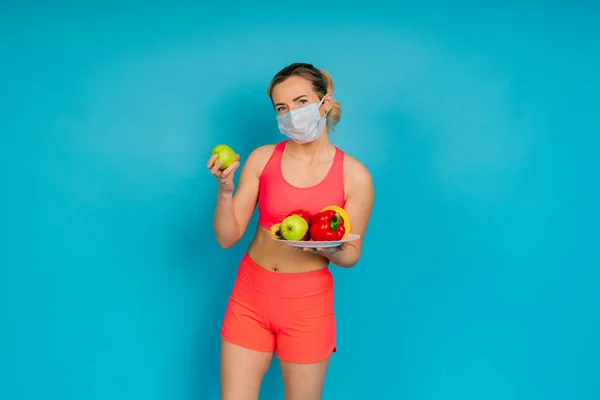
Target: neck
[[314, 150]]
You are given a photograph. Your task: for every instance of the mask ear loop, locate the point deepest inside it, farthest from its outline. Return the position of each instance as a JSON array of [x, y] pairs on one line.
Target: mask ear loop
[[321, 102]]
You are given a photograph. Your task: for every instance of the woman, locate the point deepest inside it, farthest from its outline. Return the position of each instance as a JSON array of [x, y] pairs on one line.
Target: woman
[[282, 300]]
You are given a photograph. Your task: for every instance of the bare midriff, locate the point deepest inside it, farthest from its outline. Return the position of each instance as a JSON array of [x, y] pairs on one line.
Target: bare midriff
[[277, 256]]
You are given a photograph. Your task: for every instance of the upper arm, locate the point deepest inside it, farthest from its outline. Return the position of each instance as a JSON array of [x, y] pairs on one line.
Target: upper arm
[[246, 195], [360, 198]]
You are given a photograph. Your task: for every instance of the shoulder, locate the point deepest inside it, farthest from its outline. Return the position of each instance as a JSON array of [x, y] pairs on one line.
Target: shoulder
[[261, 154], [259, 157], [355, 172]]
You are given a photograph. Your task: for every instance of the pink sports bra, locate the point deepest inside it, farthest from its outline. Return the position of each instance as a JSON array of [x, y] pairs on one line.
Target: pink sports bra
[[277, 197]]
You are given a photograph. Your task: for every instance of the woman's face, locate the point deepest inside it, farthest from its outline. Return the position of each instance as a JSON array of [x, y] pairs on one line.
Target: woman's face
[[295, 92]]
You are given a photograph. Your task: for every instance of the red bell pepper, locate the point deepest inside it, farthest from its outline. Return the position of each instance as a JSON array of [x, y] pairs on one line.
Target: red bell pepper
[[327, 225]]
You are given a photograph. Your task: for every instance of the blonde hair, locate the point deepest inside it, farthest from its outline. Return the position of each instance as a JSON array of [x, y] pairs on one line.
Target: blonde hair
[[321, 82]]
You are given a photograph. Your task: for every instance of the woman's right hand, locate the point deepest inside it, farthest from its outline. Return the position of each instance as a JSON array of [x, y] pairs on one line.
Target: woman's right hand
[[225, 177]]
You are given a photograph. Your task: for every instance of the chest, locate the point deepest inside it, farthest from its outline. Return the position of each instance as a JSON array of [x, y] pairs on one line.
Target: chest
[[279, 197], [304, 175]]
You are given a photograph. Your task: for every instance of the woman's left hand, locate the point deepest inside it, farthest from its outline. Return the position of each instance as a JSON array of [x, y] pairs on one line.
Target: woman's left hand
[[326, 251]]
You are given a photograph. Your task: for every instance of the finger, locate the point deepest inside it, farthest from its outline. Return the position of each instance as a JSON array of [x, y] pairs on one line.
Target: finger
[[215, 170], [211, 161], [229, 170]]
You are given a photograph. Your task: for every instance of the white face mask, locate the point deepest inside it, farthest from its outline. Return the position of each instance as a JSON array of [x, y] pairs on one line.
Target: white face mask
[[303, 125]]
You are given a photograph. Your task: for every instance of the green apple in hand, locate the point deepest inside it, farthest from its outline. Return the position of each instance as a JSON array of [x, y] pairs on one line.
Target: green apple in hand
[[293, 227], [224, 154]]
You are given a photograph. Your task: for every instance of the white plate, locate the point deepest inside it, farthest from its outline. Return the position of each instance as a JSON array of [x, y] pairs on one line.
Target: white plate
[[313, 244]]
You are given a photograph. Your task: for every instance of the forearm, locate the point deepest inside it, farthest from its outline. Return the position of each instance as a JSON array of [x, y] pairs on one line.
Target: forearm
[[225, 224], [346, 258]]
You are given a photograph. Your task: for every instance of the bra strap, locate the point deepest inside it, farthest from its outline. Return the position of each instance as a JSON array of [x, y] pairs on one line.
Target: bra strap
[[275, 158]]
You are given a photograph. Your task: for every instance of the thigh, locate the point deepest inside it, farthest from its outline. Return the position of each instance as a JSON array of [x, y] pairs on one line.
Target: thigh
[[306, 329], [304, 381], [246, 320], [242, 371]]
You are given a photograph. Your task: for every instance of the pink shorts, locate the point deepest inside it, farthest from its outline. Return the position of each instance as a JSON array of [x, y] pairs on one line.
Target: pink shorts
[[290, 314]]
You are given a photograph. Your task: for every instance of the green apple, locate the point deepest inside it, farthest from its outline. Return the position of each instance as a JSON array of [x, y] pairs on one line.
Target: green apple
[[225, 154], [293, 227]]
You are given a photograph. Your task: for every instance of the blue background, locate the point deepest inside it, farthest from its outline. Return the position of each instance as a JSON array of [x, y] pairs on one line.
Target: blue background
[[479, 124]]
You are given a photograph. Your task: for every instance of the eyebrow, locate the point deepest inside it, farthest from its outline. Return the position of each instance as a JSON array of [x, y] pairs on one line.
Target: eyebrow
[[297, 98]]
